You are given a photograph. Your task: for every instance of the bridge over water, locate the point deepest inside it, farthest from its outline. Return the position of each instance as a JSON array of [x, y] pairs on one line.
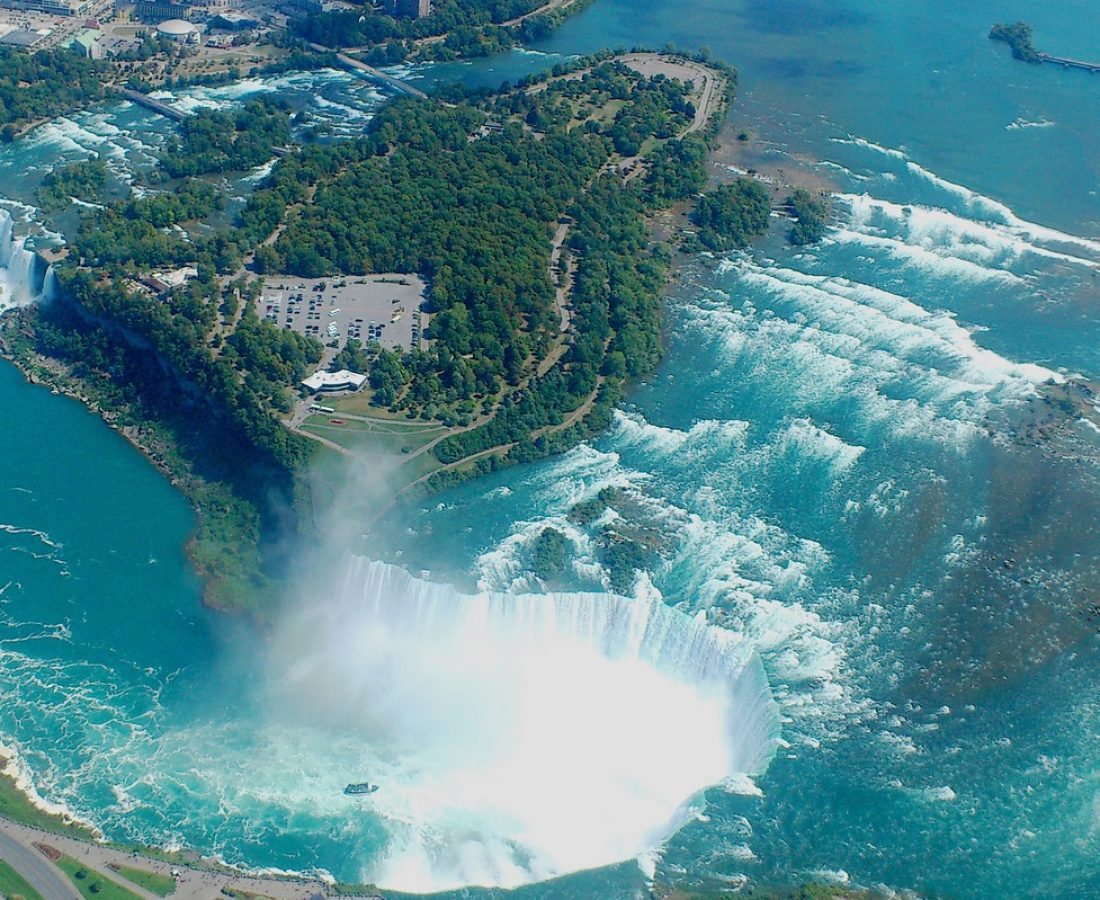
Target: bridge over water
[[155, 105], [349, 62], [1069, 63]]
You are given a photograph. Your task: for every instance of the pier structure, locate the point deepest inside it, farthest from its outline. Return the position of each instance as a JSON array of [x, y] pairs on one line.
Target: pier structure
[[1067, 63]]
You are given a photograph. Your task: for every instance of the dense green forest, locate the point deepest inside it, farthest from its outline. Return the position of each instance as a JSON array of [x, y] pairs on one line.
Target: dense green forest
[[466, 28], [86, 181], [1018, 37], [45, 84], [731, 215], [475, 217], [471, 216], [810, 213], [468, 194], [212, 141]]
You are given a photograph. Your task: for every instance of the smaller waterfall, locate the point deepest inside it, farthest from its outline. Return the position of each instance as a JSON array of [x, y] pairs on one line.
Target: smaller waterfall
[[5, 238], [24, 277], [49, 284]]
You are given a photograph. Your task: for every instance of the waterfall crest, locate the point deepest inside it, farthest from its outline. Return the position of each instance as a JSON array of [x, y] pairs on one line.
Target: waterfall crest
[[675, 644], [521, 737]]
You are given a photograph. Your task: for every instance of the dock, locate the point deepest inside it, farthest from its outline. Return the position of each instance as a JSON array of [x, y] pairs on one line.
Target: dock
[[358, 66], [1069, 63], [155, 105]]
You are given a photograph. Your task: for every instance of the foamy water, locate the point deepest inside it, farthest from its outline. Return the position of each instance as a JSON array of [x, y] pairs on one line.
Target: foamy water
[[825, 475], [492, 720]]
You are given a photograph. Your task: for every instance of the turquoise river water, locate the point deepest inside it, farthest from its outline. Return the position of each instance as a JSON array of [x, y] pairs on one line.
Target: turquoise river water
[[864, 649]]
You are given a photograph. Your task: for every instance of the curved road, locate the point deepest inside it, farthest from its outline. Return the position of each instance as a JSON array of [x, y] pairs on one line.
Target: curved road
[[32, 865], [191, 883]]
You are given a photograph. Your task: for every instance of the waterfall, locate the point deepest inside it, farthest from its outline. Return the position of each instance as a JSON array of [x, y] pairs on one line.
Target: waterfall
[[49, 284], [674, 644], [23, 276], [521, 737], [5, 238]]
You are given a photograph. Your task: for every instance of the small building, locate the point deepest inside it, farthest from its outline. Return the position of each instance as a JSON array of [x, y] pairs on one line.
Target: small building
[[86, 42], [178, 30], [231, 20], [333, 382], [116, 46], [22, 37], [162, 282], [50, 7]]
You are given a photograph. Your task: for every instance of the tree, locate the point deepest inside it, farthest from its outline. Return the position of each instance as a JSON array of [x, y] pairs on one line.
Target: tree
[[732, 214], [267, 260], [810, 213]]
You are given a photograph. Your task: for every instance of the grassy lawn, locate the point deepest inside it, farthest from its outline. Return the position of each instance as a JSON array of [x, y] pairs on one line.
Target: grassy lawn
[[603, 114], [161, 885], [14, 805], [353, 890], [91, 884], [335, 482], [12, 884], [416, 468], [359, 404], [371, 437]]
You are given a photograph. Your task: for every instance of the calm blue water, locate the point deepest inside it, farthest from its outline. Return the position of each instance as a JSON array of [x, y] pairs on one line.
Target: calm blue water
[[836, 455]]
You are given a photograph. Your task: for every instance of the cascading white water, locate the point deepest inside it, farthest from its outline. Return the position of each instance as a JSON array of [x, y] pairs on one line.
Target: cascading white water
[[5, 238], [49, 284], [22, 279], [520, 737]]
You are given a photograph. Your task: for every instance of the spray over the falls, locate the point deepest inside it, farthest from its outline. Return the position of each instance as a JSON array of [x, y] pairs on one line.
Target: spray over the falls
[[521, 737]]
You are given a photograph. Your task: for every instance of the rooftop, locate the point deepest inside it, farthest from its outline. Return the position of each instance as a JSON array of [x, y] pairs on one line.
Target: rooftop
[[176, 26], [335, 381], [21, 38]]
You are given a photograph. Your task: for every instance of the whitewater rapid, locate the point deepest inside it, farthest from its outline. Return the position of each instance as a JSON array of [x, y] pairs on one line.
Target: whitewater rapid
[[519, 737]]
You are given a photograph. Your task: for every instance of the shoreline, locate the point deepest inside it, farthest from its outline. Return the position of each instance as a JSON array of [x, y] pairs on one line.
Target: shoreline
[[151, 438], [21, 803], [26, 816], [45, 371]]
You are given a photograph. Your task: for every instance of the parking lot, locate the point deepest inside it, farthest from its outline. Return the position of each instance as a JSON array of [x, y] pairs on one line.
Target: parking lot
[[386, 309]]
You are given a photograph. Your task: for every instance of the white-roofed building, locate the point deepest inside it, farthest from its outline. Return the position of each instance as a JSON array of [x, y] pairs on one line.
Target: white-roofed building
[[178, 30], [332, 382]]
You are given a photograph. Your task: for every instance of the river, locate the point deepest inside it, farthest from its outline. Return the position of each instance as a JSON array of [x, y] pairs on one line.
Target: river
[[840, 458]]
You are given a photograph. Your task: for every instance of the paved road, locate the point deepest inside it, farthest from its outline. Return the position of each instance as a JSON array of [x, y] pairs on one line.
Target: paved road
[[545, 8], [192, 884], [39, 872]]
